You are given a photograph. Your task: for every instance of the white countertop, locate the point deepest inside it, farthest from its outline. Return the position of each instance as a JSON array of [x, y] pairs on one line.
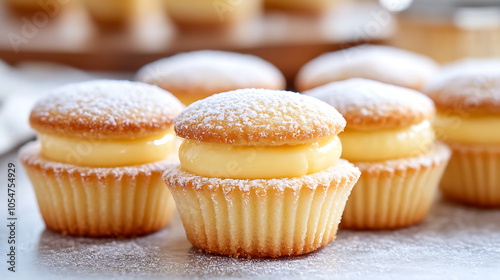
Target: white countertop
[[455, 242]]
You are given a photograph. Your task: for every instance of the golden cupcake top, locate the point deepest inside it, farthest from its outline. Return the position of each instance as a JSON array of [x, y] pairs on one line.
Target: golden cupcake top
[[381, 63], [208, 72], [384, 122], [467, 86], [372, 105], [259, 117], [105, 109]]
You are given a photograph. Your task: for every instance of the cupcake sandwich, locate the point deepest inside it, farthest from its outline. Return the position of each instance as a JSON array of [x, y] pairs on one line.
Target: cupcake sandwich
[[260, 174], [467, 96], [389, 137], [96, 166], [195, 75], [380, 63]]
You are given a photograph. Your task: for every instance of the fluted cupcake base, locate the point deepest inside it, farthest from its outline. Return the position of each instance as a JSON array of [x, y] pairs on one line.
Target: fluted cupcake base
[[99, 202], [395, 193], [473, 175], [262, 218]]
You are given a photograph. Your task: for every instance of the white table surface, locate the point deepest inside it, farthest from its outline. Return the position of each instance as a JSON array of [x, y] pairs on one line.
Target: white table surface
[[455, 242]]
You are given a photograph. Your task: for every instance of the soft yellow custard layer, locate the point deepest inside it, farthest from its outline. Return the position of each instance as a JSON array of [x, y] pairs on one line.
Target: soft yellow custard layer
[[251, 162], [387, 144], [107, 153], [188, 98], [483, 129]]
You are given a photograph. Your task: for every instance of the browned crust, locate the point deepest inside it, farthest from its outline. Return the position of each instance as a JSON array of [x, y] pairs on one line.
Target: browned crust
[[372, 105], [258, 117], [438, 154], [461, 92], [48, 117]]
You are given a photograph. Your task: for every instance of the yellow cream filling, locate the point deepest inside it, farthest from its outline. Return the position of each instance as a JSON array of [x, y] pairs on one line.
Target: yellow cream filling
[[473, 129], [253, 162], [107, 153], [387, 144]]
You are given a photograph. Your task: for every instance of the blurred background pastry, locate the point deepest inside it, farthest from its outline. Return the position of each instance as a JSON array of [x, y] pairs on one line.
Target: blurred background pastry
[[29, 8], [311, 6], [381, 63], [112, 14], [196, 75], [207, 14]]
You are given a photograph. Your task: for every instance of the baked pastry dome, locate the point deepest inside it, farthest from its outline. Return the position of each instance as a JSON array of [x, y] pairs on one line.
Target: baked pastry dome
[[208, 15], [389, 136], [195, 75], [467, 96], [249, 147], [380, 63], [102, 146]]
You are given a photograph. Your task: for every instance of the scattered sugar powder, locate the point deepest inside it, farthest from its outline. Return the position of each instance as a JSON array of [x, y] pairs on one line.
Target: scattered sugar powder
[[381, 63], [211, 71], [361, 99], [469, 82], [258, 117], [107, 104]]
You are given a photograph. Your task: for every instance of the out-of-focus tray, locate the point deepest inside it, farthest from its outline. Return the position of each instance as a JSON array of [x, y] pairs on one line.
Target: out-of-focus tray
[[455, 242], [285, 39]]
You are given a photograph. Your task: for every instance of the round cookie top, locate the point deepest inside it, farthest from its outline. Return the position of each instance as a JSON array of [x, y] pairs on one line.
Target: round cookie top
[[105, 109], [471, 85], [209, 72], [380, 63], [372, 105], [259, 117]]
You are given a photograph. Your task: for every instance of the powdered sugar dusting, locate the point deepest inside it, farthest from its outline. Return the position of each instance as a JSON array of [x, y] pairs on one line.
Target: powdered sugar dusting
[[211, 72], [258, 117], [367, 101], [105, 106], [343, 170], [468, 84], [382, 63]]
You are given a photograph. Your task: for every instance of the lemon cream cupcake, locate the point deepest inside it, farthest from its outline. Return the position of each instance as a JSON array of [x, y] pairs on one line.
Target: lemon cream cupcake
[[188, 14], [310, 6], [260, 173], [96, 166], [199, 74], [467, 97], [380, 63], [389, 137]]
